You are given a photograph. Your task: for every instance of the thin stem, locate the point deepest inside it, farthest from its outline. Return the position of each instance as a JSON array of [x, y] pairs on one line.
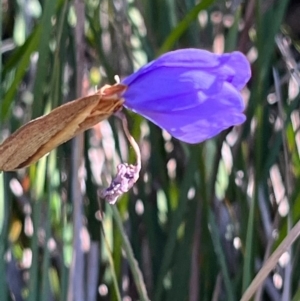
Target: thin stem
[[286, 295], [131, 140], [110, 259], [272, 262], [136, 272]]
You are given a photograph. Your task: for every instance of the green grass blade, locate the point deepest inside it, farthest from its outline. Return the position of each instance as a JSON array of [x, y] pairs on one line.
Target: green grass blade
[[43, 52], [176, 221], [23, 60], [215, 236], [136, 273], [4, 216], [182, 26]]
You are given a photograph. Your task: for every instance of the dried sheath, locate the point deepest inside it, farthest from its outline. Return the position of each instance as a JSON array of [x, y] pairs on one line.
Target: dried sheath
[[38, 137]]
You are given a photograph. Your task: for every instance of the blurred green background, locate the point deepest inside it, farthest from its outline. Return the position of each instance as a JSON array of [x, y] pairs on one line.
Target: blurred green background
[[202, 219]]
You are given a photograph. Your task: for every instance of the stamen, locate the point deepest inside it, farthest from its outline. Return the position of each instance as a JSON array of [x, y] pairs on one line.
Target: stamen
[[127, 174]]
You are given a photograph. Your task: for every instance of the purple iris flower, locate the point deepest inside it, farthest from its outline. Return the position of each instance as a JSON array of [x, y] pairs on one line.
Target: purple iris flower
[[193, 94]]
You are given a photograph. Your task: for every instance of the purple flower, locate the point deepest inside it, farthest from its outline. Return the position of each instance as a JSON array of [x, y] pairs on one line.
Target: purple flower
[[193, 94]]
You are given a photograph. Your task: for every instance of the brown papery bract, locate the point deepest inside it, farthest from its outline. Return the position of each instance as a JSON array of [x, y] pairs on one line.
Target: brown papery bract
[[41, 135]]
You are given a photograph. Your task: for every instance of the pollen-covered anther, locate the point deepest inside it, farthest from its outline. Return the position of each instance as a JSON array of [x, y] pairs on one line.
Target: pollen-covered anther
[[127, 175]]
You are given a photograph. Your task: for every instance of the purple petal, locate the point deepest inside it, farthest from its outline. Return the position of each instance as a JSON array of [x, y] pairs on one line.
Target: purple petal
[[193, 94]]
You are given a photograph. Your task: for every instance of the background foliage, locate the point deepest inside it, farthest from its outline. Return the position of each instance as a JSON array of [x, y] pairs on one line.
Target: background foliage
[[202, 219]]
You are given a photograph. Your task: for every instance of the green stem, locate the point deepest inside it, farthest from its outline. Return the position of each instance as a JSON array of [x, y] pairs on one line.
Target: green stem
[[112, 265], [136, 272]]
